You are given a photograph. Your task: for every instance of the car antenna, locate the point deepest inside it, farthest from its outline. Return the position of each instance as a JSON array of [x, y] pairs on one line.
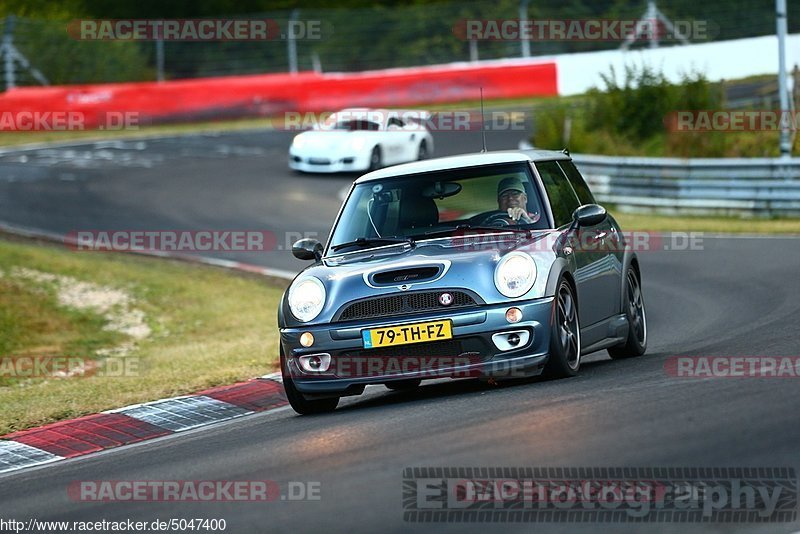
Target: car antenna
[[483, 125]]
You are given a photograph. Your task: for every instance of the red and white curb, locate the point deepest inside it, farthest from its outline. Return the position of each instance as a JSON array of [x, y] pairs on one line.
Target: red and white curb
[[140, 422]]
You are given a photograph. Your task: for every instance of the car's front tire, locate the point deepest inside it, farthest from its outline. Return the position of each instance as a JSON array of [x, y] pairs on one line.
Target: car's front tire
[[375, 159], [299, 403], [565, 338], [422, 153], [636, 343]]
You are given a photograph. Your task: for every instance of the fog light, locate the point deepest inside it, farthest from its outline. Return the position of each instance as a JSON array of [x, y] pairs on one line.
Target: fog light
[[315, 363], [513, 315], [512, 340], [306, 339]]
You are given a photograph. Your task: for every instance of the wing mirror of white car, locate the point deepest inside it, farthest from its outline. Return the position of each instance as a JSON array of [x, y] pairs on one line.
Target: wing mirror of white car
[[307, 249]]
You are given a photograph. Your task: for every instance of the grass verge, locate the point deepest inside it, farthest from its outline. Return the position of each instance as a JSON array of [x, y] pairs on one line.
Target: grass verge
[[207, 327], [10, 139], [724, 225]]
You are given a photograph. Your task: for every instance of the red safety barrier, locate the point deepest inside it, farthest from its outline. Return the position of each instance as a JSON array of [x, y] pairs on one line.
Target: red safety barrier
[[106, 105]]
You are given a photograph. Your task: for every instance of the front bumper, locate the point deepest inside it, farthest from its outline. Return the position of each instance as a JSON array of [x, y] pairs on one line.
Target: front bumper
[[470, 353], [306, 162]]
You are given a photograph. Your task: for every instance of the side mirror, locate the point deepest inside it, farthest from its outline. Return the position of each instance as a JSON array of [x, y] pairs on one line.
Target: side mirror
[[589, 215], [307, 249]]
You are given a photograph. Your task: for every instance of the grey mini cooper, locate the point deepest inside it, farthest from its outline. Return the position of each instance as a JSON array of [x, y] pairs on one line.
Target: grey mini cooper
[[492, 265]]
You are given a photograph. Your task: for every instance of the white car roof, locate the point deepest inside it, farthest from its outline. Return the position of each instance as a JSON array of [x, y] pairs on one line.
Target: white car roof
[[465, 160]]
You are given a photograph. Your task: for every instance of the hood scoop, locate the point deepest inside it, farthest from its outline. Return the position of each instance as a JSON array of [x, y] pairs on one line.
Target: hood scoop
[[406, 275]]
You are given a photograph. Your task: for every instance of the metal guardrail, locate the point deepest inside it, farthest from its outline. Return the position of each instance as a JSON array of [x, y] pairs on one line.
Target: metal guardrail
[[720, 186]]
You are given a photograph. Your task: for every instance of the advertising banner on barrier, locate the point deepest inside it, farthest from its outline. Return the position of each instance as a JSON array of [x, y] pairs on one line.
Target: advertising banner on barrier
[[89, 106]]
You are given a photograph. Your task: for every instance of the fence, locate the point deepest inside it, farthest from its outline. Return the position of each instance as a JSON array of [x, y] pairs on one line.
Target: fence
[[760, 187]]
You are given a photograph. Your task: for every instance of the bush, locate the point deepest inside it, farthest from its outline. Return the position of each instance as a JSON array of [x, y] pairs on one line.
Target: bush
[[629, 116]]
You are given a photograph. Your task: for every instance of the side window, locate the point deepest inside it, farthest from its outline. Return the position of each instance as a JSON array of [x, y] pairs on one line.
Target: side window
[[393, 121], [562, 198], [577, 182]]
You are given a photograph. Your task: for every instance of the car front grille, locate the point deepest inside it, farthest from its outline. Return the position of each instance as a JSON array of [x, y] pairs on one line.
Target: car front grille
[[403, 304]]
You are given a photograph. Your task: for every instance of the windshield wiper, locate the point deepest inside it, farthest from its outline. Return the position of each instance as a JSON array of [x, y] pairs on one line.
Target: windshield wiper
[[363, 242], [448, 231]]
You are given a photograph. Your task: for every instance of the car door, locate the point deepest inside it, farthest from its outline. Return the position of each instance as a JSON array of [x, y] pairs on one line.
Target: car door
[[593, 305], [606, 237], [395, 141]]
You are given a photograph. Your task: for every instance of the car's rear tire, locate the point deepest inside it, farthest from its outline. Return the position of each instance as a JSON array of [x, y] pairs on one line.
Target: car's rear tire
[[636, 343], [565, 338], [299, 403], [422, 153], [376, 159], [404, 385]]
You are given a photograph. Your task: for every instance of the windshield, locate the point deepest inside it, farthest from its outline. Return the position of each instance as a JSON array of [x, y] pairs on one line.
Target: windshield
[[357, 126], [438, 204]]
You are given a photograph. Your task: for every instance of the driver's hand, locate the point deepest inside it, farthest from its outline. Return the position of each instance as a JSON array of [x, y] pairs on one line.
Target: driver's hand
[[519, 214]]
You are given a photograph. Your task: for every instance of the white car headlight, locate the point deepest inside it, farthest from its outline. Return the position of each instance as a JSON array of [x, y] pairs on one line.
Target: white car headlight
[[299, 141], [306, 298], [515, 274]]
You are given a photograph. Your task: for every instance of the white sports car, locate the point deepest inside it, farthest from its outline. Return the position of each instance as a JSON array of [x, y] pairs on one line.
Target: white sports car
[[362, 139]]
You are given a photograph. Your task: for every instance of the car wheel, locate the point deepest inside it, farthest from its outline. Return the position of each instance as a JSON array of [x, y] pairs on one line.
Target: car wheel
[[636, 343], [299, 403], [404, 385], [565, 339], [375, 159], [422, 153]]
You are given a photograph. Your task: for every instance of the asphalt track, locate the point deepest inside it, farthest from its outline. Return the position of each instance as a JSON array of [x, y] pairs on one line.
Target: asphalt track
[[735, 297]]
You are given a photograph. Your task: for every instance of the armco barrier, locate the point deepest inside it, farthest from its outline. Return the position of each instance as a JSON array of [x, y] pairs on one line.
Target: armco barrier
[[749, 186], [239, 96]]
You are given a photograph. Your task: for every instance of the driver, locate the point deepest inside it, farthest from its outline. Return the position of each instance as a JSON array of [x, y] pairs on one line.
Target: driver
[[512, 199]]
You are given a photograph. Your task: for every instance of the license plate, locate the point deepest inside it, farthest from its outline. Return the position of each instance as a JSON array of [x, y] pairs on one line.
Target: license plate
[[407, 334]]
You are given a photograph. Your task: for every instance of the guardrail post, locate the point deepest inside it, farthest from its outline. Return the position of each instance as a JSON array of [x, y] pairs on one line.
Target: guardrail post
[[7, 51]]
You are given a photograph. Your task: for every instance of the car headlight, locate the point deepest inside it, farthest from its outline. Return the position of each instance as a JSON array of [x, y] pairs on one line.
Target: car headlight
[[515, 274], [299, 141], [306, 298]]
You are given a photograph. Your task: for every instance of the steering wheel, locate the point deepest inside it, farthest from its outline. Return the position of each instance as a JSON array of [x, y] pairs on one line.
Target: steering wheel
[[496, 218]]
